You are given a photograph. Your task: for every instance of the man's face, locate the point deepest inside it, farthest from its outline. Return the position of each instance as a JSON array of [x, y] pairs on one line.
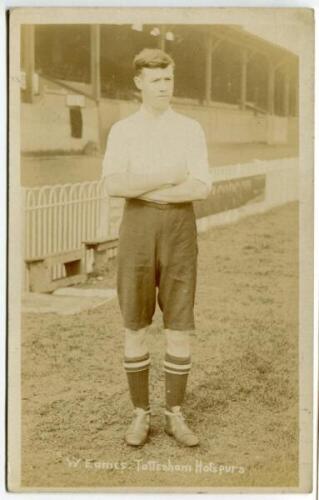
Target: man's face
[[156, 86]]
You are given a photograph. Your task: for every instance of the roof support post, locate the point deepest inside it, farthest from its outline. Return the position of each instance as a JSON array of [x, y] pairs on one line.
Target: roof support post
[[296, 113], [95, 62], [210, 46], [286, 93], [271, 88], [208, 69], [28, 59], [243, 82], [161, 38]]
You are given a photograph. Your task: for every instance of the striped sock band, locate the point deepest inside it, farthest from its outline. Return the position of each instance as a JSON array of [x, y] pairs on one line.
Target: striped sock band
[[176, 373], [177, 365], [137, 371], [137, 363]]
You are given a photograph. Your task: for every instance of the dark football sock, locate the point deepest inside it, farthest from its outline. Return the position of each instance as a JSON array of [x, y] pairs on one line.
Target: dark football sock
[[137, 371], [176, 374]]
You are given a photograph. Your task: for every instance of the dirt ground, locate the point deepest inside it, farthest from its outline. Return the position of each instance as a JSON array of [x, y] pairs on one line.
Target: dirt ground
[[242, 397]]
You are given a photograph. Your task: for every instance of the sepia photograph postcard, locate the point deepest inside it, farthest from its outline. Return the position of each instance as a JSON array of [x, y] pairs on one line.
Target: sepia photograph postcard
[[160, 250]]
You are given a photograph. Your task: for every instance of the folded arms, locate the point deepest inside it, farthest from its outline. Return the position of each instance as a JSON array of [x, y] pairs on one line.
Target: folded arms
[[159, 187], [172, 185]]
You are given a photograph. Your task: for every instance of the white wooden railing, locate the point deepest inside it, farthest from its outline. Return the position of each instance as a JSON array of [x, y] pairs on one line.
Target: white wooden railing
[[58, 218]]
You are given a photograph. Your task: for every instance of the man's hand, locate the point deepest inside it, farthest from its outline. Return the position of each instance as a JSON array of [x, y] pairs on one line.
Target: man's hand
[[129, 185], [177, 176], [189, 190]]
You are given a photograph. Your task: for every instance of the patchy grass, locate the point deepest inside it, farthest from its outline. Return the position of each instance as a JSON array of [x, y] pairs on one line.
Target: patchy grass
[[242, 395]]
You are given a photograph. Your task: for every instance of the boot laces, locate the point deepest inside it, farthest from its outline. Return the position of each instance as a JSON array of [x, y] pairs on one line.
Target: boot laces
[[138, 415], [176, 412]]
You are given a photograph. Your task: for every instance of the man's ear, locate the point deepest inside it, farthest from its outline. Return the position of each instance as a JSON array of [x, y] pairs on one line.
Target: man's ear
[[137, 81]]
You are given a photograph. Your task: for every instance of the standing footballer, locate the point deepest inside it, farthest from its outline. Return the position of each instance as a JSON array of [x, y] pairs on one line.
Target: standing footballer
[[157, 160]]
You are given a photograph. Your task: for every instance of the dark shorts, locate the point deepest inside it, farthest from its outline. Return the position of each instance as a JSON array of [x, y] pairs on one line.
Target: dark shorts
[[157, 251]]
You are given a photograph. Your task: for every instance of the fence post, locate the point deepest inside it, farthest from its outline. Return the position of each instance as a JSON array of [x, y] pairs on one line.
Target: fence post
[[103, 229], [24, 271]]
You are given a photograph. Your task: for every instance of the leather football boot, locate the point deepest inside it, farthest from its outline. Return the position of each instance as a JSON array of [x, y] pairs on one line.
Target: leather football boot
[[176, 426], [138, 430]]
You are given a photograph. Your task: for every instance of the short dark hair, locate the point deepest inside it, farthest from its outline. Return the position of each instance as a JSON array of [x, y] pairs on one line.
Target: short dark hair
[[152, 58]]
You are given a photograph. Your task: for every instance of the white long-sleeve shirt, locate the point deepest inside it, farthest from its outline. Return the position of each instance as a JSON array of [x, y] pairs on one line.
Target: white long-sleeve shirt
[[144, 143]]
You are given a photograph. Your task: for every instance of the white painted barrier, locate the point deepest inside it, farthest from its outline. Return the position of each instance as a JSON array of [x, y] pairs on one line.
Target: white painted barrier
[[282, 186], [60, 217]]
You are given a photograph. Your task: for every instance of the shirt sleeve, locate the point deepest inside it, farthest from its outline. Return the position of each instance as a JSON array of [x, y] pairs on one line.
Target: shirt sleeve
[[197, 157], [115, 158]]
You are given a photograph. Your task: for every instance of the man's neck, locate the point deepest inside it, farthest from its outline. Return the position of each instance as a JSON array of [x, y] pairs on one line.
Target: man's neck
[[154, 111]]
